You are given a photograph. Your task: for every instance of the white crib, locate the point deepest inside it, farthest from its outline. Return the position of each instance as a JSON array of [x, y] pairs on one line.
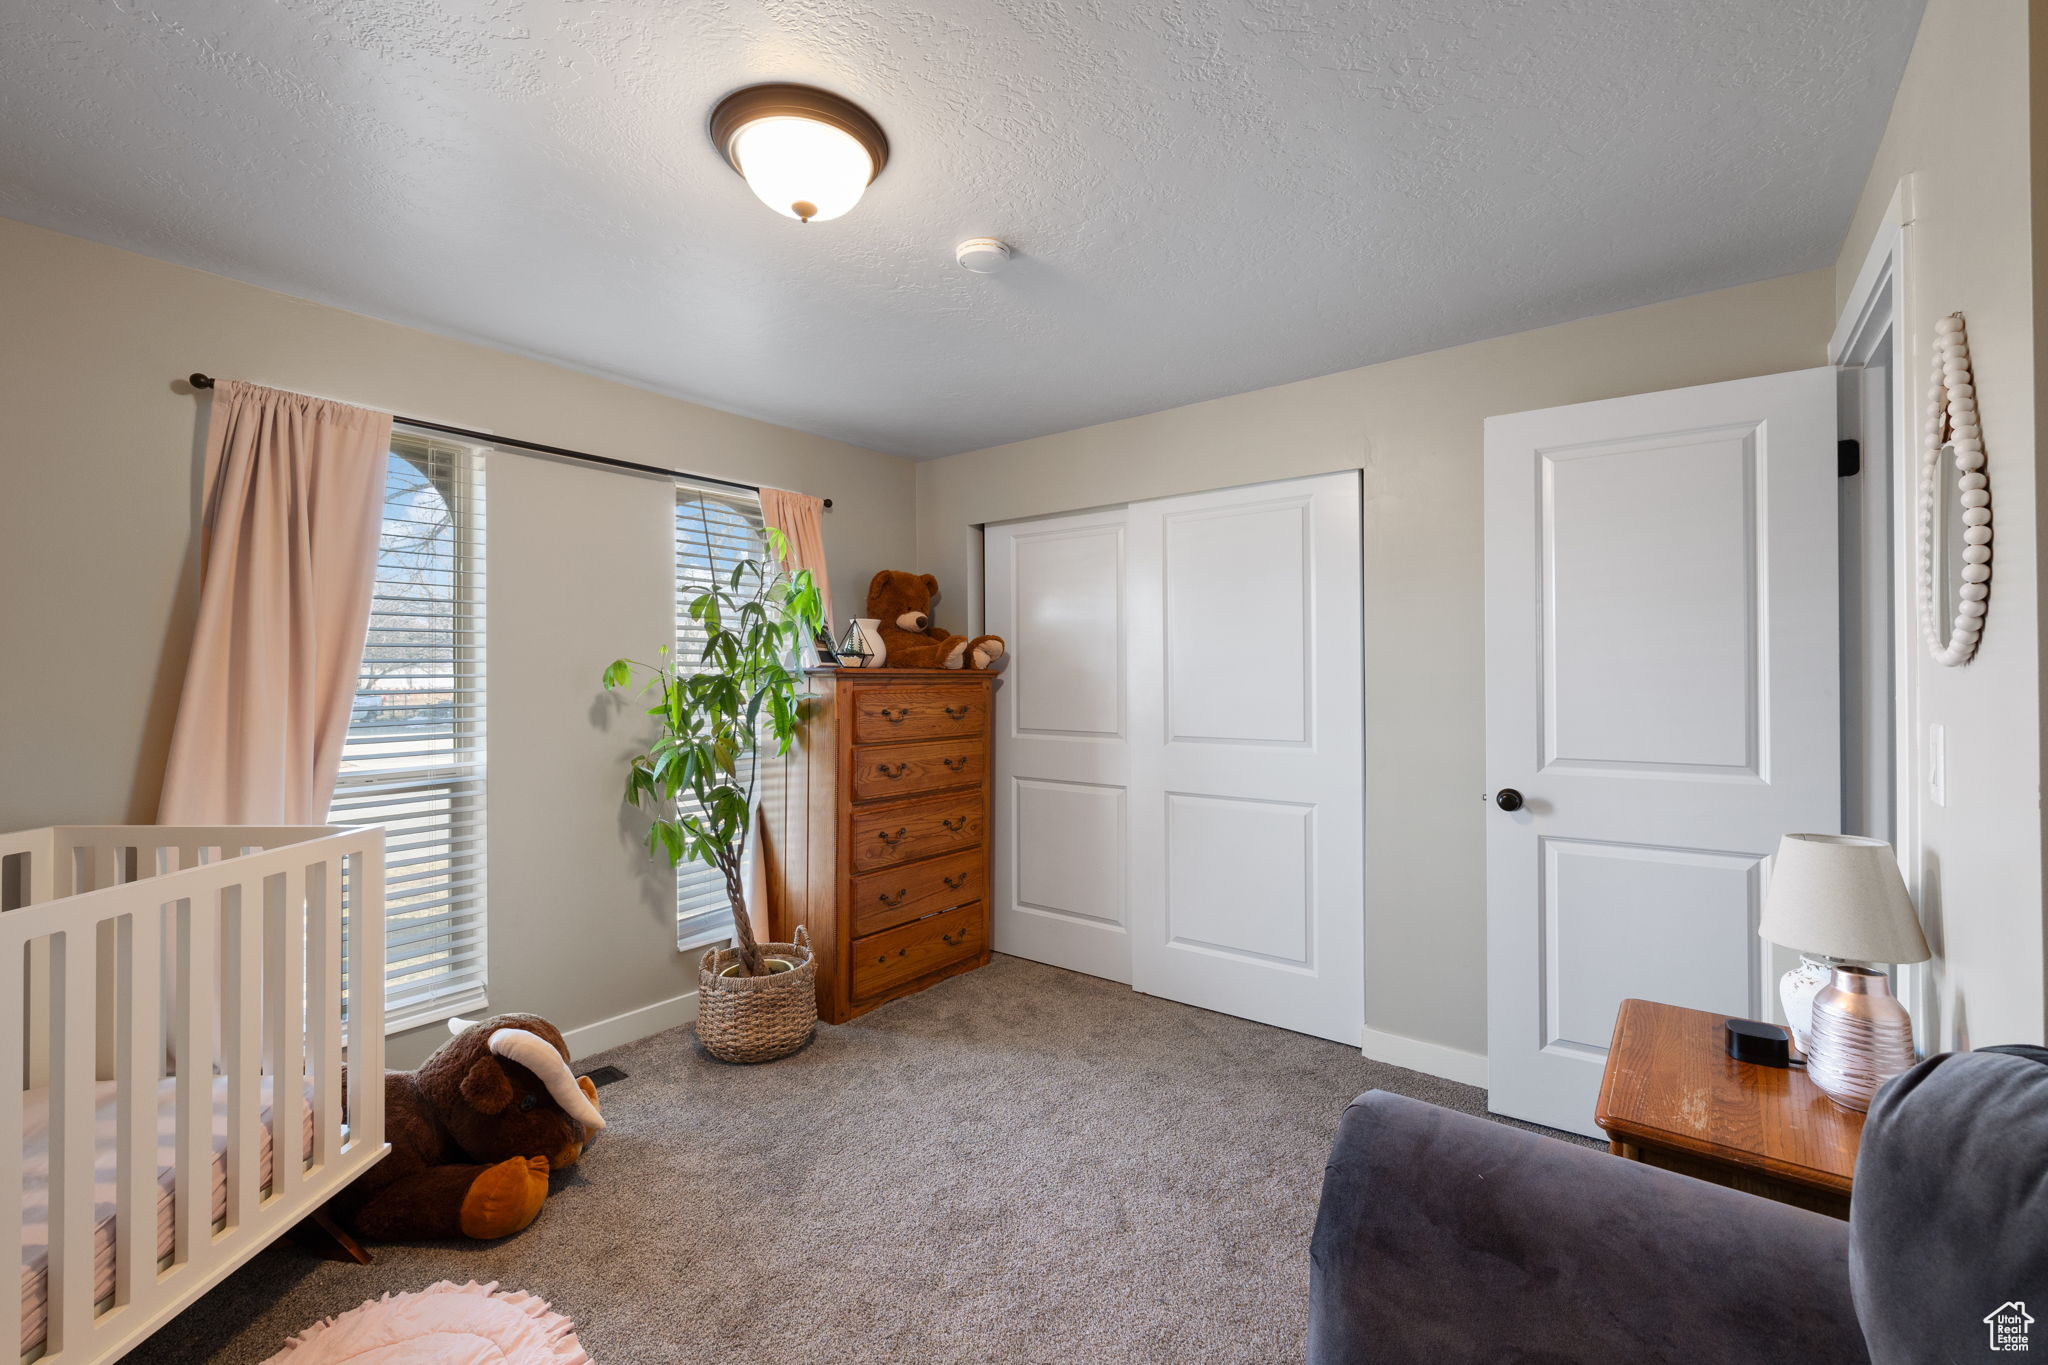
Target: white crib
[[155, 984]]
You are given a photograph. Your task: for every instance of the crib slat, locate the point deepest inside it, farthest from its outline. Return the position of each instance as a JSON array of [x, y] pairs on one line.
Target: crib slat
[[138, 1067], [12, 1040], [106, 865], [286, 951], [63, 875], [366, 990], [72, 1105], [242, 1044], [323, 1000], [193, 1203]]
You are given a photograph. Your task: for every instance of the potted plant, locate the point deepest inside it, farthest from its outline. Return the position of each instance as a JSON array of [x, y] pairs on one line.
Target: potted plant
[[757, 1001]]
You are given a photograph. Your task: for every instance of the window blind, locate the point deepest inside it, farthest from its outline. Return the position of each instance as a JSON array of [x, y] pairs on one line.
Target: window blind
[[414, 758], [716, 528]]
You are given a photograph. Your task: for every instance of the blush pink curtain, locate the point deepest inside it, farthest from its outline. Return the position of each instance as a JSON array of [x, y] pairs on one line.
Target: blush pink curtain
[[288, 555], [801, 518]]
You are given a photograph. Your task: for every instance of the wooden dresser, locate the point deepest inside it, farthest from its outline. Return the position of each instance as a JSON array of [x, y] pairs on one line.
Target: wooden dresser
[[877, 832]]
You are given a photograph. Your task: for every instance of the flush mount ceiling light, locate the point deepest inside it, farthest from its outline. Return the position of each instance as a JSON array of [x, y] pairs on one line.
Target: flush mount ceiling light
[[805, 152]]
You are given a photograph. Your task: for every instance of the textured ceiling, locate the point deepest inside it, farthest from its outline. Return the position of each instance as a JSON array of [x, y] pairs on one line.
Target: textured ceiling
[[1206, 196]]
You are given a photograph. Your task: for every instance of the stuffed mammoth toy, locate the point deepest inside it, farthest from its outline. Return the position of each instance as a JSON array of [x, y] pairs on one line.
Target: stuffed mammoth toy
[[902, 602], [474, 1133]]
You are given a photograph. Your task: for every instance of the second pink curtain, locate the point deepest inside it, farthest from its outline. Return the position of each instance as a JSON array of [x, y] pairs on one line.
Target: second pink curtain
[[288, 556], [801, 518]]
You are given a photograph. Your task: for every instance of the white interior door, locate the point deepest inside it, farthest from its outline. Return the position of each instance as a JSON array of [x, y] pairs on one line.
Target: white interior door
[[1663, 690], [1247, 753], [1055, 592]]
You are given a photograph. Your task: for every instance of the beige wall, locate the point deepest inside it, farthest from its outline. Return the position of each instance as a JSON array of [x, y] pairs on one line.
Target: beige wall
[[97, 573], [98, 579], [1413, 426], [1959, 128]]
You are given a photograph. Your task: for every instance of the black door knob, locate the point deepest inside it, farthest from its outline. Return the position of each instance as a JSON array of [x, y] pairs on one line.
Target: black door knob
[[1507, 798]]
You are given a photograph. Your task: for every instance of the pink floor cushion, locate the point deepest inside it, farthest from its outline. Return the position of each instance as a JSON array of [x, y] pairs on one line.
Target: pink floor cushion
[[448, 1324]]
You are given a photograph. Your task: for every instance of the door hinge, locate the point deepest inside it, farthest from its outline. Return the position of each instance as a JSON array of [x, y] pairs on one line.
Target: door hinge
[[1848, 460]]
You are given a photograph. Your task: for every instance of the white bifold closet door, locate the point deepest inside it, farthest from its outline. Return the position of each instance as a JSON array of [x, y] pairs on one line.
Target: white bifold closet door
[[1180, 749]]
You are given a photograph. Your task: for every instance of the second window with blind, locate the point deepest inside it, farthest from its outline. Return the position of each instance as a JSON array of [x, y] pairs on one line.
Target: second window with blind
[[716, 528]]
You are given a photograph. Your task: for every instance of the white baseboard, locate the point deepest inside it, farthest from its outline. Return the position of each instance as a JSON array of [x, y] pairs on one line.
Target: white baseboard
[[1451, 1063], [631, 1026]]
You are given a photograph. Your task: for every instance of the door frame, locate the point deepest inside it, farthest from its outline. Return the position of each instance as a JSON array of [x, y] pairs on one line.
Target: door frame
[[1876, 313]]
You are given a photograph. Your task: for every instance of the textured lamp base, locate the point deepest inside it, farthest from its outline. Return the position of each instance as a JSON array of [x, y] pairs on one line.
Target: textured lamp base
[[1861, 1037]]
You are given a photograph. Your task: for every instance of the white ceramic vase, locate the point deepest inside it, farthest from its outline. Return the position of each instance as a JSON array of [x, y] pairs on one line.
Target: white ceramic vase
[[1796, 989], [871, 631]]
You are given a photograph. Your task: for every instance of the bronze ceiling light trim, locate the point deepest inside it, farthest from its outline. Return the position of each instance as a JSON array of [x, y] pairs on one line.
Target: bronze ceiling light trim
[[805, 146]]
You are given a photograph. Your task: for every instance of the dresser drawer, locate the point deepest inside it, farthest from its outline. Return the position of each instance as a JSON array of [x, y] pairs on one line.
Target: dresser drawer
[[885, 771], [890, 713], [909, 951], [886, 835], [897, 895]]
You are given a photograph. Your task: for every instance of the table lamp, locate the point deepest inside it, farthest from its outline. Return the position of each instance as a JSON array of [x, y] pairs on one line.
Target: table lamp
[[1841, 899]]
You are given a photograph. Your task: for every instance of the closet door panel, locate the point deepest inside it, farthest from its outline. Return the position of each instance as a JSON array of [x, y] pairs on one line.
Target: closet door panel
[[1060, 850], [1247, 753]]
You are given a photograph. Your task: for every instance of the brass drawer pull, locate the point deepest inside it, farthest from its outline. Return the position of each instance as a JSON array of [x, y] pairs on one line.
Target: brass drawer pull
[[955, 883], [883, 769], [954, 940], [895, 838], [955, 765], [955, 826], [958, 712], [893, 901], [898, 716]]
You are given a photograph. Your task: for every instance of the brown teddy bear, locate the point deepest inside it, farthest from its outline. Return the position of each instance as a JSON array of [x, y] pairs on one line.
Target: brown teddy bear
[[474, 1133], [902, 602]]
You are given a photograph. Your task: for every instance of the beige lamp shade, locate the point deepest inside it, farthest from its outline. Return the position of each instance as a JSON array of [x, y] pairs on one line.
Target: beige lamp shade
[[1841, 896]]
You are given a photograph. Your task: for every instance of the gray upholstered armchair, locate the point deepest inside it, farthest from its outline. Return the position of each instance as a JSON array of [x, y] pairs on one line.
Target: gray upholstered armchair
[[1444, 1238]]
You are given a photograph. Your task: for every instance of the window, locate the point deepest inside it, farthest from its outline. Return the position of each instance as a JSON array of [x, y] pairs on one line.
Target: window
[[414, 758], [716, 528]]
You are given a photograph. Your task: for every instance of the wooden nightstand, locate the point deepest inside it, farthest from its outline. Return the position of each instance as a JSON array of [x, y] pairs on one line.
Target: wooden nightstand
[[1673, 1097]]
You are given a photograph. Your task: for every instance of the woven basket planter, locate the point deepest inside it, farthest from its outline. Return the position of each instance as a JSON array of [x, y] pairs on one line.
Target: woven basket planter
[[757, 1018]]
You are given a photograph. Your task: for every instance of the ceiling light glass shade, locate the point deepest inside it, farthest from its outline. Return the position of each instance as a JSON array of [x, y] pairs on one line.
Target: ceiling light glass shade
[[806, 153], [802, 168]]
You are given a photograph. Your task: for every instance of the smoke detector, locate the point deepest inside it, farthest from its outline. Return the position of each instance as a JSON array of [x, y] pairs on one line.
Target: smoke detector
[[982, 255]]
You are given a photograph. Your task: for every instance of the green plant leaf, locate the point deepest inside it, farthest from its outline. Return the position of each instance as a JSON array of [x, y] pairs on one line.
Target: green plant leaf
[[698, 773]]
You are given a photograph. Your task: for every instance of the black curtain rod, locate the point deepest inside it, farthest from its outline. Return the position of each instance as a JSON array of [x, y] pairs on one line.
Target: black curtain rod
[[204, 381]]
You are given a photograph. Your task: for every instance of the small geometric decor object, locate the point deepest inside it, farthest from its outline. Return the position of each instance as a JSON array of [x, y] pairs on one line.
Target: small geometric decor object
[[854, 650], [1952, 425], [447, 1322]]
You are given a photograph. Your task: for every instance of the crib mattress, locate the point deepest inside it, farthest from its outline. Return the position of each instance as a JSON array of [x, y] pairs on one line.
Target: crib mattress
[[35, 1179]]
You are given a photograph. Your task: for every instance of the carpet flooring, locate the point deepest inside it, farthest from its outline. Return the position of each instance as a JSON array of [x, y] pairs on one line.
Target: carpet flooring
[[1018, 1165]]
